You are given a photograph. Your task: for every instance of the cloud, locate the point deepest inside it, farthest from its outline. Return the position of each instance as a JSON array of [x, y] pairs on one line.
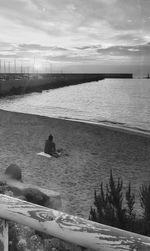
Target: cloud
[[71, 31], [128, 38], [90, 53], [135, 54], [38, 47], [78, 20]]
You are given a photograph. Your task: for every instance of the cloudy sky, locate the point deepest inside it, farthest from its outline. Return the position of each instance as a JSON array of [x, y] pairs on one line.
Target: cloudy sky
[[76, 35]]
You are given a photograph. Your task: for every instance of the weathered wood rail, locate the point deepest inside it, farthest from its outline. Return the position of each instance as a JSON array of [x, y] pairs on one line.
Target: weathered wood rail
[[66, 227]]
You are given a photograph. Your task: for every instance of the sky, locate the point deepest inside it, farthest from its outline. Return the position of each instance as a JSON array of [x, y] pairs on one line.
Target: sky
[[75, 35]]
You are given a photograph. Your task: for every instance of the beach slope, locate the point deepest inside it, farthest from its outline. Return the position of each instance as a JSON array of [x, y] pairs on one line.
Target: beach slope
[[89, 153]]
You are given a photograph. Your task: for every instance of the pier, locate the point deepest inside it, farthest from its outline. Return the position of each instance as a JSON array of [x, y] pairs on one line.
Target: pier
[[13, 84]]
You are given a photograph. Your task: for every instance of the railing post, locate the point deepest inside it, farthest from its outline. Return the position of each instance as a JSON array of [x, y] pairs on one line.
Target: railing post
[[3, 235]]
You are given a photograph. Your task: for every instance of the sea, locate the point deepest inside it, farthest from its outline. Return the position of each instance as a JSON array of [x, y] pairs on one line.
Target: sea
[[122, 103]]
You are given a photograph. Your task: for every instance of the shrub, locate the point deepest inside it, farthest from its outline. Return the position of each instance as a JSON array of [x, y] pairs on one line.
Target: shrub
[[109, 204], [112, 208], [145, 204]]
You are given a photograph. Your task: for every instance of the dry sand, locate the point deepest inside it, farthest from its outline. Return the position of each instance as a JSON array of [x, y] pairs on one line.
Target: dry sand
[[90, 151]]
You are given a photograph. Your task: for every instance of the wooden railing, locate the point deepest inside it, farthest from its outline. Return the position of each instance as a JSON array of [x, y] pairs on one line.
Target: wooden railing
[[69, 228]]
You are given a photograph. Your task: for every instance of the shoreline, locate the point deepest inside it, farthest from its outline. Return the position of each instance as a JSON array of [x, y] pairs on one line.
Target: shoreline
[[115, 126], [90, 152]]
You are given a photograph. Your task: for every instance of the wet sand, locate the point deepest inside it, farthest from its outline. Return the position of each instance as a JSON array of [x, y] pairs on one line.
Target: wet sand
[[90, 151]]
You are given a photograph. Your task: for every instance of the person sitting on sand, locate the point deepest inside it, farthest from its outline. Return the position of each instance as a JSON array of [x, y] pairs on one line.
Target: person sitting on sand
[[50, 147]]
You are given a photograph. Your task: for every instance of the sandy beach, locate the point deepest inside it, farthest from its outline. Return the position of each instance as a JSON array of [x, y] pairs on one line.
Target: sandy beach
[[89, 152]]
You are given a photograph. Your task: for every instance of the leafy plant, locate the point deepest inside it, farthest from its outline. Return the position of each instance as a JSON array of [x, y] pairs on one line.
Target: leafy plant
[[145, 204], [112, 207]]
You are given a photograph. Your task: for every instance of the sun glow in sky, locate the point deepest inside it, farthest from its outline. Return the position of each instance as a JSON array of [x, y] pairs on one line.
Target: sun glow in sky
[[79, 35]]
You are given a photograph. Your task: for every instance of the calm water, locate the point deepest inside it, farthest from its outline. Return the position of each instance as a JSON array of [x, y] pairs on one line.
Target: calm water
[[125, 102]]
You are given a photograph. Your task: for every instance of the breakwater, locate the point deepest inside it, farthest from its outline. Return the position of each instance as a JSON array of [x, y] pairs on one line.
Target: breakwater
[[12, 84]]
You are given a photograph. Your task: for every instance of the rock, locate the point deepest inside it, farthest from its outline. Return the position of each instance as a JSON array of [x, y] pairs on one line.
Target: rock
[[28, 192], [35, 194], [14, 172]]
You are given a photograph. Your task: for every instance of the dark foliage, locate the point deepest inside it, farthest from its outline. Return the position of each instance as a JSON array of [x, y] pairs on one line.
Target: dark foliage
[[145, 204], [112, 207], [13, 240]]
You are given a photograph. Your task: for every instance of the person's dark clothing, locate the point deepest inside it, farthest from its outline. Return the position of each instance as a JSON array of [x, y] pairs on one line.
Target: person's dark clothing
[[50, 147]]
